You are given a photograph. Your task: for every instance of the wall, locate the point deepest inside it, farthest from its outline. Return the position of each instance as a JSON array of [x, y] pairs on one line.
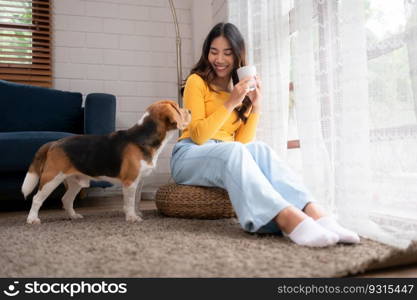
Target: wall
[[122, 47], [127, 48], [219, 11], [205, 14], [201, 14]]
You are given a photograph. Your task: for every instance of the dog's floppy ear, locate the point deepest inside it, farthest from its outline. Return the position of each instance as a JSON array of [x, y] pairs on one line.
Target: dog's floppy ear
[[174, 116]]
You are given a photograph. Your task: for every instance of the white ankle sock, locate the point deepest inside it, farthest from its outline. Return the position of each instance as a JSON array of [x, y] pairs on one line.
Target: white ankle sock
[[345, 235], [309, 233]]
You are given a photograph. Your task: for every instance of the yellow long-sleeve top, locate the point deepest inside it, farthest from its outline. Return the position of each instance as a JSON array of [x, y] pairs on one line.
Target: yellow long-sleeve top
[[209, 117]]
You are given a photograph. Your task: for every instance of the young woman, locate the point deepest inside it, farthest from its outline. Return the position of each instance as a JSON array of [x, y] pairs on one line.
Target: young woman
[[217, 150]]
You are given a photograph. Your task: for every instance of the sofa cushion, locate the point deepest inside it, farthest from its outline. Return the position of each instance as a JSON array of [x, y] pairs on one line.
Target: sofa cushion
[[17, 149], [26, 107]]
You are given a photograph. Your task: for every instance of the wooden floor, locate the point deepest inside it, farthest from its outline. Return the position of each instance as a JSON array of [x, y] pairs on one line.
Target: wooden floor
[[115, 203]]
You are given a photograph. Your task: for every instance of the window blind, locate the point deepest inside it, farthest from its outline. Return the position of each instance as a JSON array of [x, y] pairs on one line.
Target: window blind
[[25, 42]]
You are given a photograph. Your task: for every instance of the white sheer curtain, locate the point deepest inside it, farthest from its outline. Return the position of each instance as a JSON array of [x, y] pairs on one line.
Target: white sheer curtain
[[354, 77], [354, 69], [265, 28]]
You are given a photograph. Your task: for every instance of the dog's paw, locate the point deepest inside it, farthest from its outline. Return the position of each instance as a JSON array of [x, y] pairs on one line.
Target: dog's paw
[[33, 220], [76, 216], [133, 218]]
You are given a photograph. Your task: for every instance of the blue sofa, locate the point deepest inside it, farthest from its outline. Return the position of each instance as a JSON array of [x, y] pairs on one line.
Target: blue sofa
[[32, 116]]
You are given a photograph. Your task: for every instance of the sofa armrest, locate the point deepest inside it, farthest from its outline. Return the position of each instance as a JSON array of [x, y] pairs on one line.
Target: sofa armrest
[[99, 114]]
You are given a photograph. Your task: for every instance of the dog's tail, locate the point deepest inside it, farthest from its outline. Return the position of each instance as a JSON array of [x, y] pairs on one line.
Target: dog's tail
[[35, 170]]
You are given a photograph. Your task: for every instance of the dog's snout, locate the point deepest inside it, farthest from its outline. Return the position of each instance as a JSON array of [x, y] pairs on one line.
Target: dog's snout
[[189, 111]]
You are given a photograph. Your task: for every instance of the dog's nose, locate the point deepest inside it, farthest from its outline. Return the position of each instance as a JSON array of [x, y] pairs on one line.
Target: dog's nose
[[189, 111]]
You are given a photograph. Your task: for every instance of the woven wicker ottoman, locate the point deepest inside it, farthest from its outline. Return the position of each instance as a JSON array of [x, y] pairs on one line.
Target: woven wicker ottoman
[[189, 201]]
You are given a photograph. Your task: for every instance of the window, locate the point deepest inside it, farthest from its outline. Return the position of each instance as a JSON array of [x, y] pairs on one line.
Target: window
[[389, 65], [25, 42]]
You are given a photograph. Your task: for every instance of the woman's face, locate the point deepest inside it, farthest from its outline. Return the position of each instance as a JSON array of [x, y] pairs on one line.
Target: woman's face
[[221, 57]]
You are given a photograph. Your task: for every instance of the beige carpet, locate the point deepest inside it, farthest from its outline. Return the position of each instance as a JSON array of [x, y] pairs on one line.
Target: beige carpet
[[104, 245]]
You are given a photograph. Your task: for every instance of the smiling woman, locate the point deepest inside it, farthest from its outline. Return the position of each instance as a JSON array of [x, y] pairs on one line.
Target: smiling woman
[[219, 60], [217, 149], [25, 42]]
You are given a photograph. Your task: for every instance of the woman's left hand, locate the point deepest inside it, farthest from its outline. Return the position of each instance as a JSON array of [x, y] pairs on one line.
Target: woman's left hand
[[256, 95]]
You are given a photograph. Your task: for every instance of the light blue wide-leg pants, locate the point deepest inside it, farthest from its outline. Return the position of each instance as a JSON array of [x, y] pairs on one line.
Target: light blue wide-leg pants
[[258, 182]]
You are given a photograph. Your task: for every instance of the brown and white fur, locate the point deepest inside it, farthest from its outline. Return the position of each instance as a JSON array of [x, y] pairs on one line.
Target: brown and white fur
[[124, 156]]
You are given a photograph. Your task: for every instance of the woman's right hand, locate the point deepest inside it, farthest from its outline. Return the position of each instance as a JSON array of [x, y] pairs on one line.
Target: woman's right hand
[[238, 93]]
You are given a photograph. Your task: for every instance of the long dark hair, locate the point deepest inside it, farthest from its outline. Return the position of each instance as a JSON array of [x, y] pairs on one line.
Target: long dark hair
[[204, 69]]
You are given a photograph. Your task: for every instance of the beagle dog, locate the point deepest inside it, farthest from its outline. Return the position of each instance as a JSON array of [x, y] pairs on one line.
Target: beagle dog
[[124, 156]]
